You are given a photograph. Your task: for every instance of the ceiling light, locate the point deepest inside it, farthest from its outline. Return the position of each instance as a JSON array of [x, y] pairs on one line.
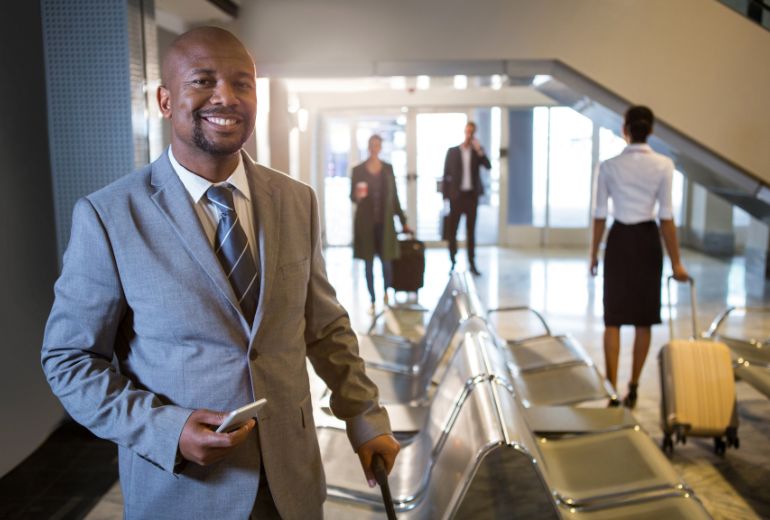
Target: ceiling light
[[398, 82]]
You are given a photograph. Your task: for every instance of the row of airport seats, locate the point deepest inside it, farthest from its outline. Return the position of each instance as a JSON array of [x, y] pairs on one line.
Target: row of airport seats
[[485, 435], [750, 352]]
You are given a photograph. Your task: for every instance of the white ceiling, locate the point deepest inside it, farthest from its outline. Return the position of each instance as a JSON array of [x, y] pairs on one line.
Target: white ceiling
[[179, 15]]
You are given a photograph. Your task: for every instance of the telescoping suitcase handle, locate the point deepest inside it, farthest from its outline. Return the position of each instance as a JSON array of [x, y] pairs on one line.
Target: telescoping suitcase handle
[[691, 281], [381, 475]]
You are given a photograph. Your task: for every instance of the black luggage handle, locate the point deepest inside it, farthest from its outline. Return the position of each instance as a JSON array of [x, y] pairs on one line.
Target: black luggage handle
[[381, 475], [691, 281]]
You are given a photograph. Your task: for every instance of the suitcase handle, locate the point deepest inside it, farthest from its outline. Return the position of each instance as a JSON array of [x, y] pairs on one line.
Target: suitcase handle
[[381, 475], [691, 281]]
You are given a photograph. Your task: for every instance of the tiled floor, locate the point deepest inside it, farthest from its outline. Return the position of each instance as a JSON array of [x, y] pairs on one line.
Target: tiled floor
[[64, 478], [556, 283]]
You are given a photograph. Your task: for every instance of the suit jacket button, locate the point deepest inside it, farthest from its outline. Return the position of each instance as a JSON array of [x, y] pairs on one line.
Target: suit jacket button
[[253, 354]]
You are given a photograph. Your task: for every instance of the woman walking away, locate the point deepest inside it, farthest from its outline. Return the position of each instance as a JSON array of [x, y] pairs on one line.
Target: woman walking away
[[635, 180], [373, 189]]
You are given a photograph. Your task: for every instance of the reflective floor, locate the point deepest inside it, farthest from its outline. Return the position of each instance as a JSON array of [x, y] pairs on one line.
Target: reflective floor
[[556, 283]]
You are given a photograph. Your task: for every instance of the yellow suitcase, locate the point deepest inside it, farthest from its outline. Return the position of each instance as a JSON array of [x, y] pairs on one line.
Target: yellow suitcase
[[697, 389]]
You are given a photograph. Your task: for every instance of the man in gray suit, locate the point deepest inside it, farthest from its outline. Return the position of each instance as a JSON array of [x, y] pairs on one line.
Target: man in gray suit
[[193, 287]]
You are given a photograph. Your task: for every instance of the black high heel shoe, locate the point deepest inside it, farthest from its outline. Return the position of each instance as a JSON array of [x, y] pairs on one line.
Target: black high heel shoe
[[629, 401]]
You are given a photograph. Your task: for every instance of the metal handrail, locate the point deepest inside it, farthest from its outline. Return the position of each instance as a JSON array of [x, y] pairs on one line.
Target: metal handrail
[[755, 10], [722, 316], [523, 308]]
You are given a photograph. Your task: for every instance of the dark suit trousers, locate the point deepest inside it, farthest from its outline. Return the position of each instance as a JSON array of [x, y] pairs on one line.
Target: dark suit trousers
[[264, 507], [465, 204]]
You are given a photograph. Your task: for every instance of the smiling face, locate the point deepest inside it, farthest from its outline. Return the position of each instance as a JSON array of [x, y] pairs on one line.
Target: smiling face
[[209, 94]]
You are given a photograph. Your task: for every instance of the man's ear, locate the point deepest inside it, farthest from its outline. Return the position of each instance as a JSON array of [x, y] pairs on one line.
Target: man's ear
[[164, 101]]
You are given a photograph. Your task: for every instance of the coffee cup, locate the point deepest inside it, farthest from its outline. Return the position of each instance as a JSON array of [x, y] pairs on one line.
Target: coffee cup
[[362, 190]]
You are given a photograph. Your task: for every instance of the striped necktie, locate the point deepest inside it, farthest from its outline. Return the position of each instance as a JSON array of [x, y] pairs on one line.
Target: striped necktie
[[232, 248]]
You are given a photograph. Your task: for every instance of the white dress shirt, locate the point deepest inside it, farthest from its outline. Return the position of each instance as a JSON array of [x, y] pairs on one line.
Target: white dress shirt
[[467, 182], [207, 213], [635, 180]]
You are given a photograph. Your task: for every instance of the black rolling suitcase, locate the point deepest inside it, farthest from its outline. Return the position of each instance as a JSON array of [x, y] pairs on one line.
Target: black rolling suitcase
[[409, 268]]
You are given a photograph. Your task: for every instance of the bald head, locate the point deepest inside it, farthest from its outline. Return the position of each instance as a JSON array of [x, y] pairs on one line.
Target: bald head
[[195, 41], [209, 95]]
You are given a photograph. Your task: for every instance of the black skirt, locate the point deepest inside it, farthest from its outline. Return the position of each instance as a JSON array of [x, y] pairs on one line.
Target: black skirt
[[633, 265]]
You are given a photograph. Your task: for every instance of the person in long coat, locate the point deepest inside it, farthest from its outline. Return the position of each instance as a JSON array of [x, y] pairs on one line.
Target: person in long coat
[[373, 190]]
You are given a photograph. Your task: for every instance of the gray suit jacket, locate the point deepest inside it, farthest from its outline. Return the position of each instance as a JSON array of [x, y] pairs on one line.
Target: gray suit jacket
[[145, 328]]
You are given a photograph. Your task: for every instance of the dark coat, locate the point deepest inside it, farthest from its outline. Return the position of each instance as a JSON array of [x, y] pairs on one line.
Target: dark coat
[[453, 172], [363, 223]]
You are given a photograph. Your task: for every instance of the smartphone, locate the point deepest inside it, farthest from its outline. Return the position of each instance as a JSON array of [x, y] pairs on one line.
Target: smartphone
[[237, 418]]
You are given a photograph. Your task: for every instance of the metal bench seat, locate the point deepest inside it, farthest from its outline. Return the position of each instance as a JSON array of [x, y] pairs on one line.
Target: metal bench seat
[[514, 324], [552, 369], [404, 321], [545, 351], [561, 385], [456, 412], [676, 506], [753, 351], [457, 303], [387, 353], [751, 356], [555, 370], [476, 467], [595, 458], [417, 390], [756, 376], [604, 468]]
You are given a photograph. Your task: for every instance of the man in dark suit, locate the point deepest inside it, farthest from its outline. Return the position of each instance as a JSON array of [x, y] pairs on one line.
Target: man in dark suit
[[462, 186]]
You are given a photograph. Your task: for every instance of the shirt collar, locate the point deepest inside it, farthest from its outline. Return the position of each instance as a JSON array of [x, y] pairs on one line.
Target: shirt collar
[[637, 147], [196, 185]]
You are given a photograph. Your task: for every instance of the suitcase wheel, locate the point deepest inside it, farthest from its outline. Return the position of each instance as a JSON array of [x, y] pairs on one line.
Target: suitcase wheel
[[681, 438], [732, 438], [668, 445], [719, 446]]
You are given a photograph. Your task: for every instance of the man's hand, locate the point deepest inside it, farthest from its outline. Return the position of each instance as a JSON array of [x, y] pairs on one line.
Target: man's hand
[[406, 229], [202, 445], [386, 446], [477, 146]]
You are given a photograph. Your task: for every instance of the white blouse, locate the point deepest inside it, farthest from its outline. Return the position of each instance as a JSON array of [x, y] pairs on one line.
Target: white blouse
[[635, 180]]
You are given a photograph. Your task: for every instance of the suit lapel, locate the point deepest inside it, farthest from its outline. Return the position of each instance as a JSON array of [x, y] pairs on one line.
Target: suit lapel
[[267, 210], [174, 202]]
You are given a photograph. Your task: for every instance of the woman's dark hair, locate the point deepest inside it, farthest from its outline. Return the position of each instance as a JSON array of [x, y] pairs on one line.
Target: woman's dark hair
[[638, 123]]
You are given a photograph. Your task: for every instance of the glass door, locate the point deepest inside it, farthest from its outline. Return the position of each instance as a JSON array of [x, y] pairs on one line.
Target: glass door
[[436, 132], [415, 142]]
